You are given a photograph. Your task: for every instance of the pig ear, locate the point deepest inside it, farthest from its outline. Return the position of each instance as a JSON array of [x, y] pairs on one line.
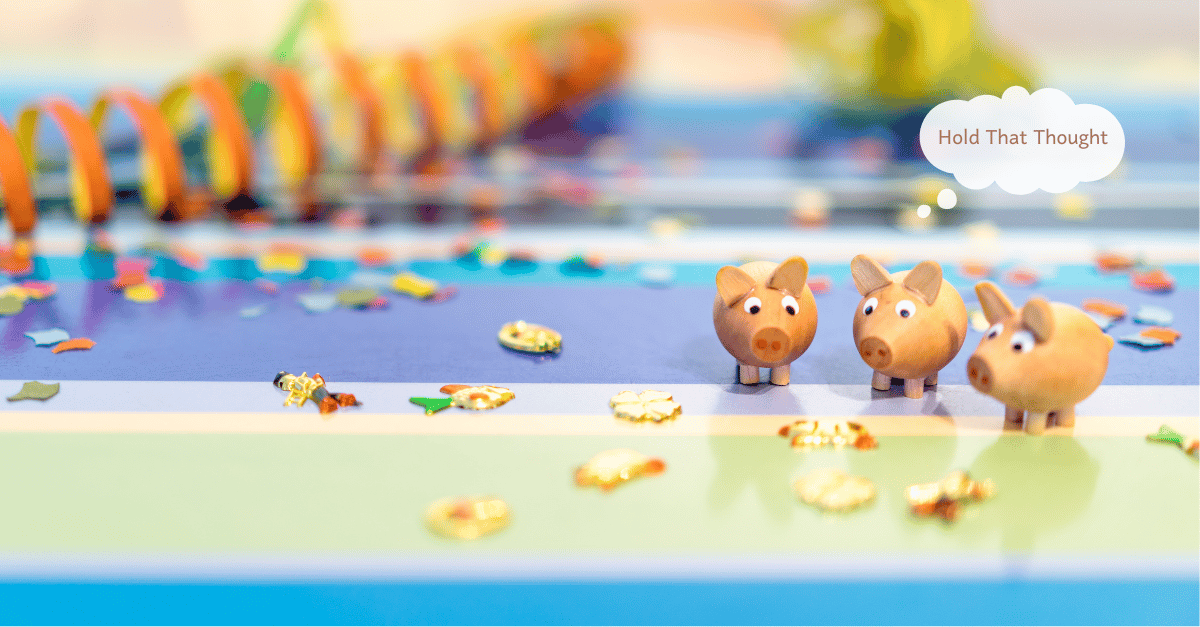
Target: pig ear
[[926, 280], [791, 276], [995, 304], [868, 274], [732, 284], [1038, 318]]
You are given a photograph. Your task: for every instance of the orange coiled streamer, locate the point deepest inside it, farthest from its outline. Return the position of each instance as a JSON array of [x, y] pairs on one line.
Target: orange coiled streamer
[[91, 189]]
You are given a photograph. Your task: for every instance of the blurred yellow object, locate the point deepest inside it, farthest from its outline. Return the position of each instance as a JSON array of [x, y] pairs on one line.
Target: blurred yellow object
[[414, 285], [1073, 206]]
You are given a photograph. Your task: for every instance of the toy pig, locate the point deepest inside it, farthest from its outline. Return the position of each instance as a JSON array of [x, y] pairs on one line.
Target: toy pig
[[765, 316], [1039, 361], [908, 325]]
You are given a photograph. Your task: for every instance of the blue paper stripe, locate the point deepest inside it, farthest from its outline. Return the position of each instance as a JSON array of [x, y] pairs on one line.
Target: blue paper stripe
[[738, 602]]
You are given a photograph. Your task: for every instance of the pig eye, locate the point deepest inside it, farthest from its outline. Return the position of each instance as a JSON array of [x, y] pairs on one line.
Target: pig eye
[[905, 308], [1022, 342], [996, 329], [752, 305], [789, 303], [870, 306]]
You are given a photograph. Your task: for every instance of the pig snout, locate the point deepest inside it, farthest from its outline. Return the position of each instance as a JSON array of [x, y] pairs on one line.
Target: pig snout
[[875, 352], [979, 374], [770, 344]]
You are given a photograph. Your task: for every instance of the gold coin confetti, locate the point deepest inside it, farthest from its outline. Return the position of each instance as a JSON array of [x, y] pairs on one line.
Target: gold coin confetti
[[944, 497], [833, 490], [612, 468], [650, 405], [467, 518], [530, 338], [817, 433], [481, 397]]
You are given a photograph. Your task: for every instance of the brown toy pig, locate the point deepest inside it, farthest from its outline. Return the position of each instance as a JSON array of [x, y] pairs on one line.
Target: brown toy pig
[[908, 325], [765, 316], [1040, 361]]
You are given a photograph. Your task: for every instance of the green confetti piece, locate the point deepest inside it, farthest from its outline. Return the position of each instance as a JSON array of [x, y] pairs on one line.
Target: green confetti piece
[[357, 298], [35, 390], [1167, 435], [431, 405], [11, 305]]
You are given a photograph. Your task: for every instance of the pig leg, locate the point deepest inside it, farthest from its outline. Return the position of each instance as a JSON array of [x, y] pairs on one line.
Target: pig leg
[[748, 375], [931, 379], [1065, 417], [1035, 423], [914, 388], [780, 375], [1013, 418], [881, 381]]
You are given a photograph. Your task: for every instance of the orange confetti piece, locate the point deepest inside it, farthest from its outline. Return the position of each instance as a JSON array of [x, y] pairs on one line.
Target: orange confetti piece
[[39, 290], [1157, 280], [79, 343], [1166, 334], [1114, 262], [975, 270], [1105, 307], [1021, 277], [372, 256], [820, 284]]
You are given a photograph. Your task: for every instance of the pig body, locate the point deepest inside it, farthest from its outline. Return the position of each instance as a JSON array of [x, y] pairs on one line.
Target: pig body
[[908, 325], [1040, 360], [765, 316]]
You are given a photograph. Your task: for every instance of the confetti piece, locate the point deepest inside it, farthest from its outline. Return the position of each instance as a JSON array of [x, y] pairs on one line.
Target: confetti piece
[[1150, 314], [1105, 322], [467, 518], [150, 292], [188, 258], [1114, 262], [357, 298], [521, 262], [656, 275], [1142, 342], [481, 397], [833, 490], [612, 468], [432, 405], [380, 302], [820, 284], [377, 280], [944, 497], [649, 406], [978, 320], [372, 256], [317, 302], [974, 270], [1167, 435], [11, 305], [530, 338], [265, 286], [414, 285], [838, 433], [48, 337], [79, 343], [577, 265], [253, 312], [1157, 280], [35, 391], [1021, 277], [39, 290], [1167, 335], [285, 261], [1105, 307], [444, 294]]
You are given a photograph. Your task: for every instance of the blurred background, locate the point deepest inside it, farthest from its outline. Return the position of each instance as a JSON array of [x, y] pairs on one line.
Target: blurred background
[[661, 114]]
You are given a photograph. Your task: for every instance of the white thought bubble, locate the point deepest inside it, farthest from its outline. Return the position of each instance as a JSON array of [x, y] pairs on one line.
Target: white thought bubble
[[1022, 142]]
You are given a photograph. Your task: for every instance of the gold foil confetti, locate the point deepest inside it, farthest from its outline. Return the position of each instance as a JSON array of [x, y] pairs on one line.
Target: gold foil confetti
[[467, 518], [944, 497], [650, 405], [612, 468], [530, 338], [414, 285], [833, 490], [817, 433], [479, 397]]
